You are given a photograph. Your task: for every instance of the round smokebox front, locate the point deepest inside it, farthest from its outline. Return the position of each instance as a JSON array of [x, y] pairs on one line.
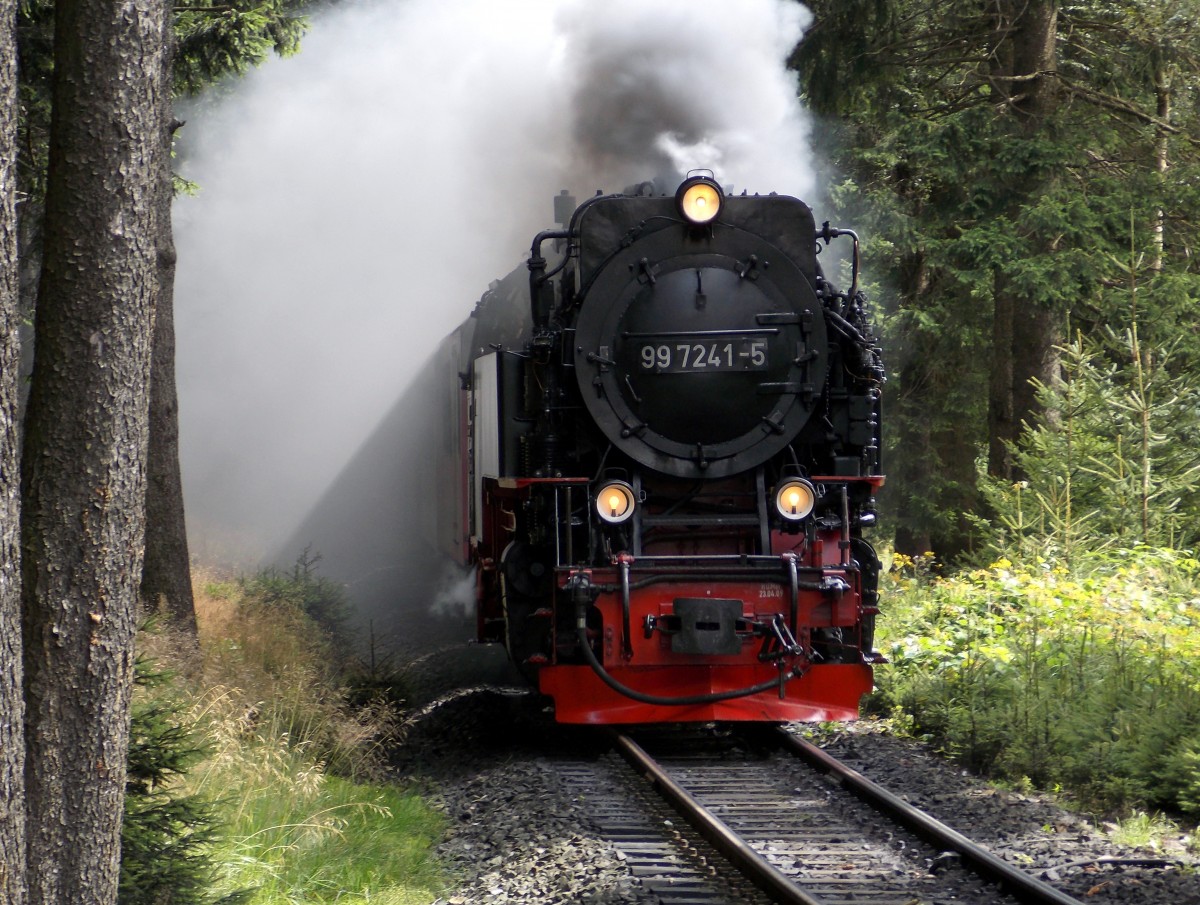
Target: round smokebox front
[[701, 365]]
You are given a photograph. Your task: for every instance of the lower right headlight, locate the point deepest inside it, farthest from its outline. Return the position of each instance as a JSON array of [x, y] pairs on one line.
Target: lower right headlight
[[794, 499]]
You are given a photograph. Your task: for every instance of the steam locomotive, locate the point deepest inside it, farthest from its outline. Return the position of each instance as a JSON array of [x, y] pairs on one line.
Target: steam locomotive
[[668, 436]]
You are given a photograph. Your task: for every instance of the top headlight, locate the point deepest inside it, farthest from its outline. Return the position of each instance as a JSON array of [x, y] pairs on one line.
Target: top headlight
[[699, 200]]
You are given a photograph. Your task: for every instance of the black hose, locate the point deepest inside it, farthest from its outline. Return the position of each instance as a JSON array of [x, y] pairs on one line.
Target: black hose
[[638, 696]]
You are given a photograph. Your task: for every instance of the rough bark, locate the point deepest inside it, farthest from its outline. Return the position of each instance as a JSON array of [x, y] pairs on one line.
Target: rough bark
[[933, 471], [1162, 156], [1037, 333], [912, 471], [83, 469], [1034, 26], [166, 575], [1001, 424], [1023, 336], [12, 709]]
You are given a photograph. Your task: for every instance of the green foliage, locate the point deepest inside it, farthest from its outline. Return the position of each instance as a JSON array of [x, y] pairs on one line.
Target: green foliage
[[295, 772], [1085, 678], [1112, 462], [962, 201], [298, 834], [320, 599], [276, 666], [219, 40], [1141, 830], [215, 40], [253, 780], [167, 833]]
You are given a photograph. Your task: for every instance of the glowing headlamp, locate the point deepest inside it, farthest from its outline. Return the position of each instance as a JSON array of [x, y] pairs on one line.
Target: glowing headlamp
[[615, 502], [699, 200], [794, 499]]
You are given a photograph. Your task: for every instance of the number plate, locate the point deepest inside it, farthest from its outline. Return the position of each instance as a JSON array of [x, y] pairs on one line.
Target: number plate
[[679, 357]]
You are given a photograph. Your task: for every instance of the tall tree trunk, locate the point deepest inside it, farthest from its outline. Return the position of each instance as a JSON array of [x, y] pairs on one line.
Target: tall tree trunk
[[913, 473], [166, 575], [1023, 335], [1037, 332], [957, 450], [84, 470], [933, 469], [1034, 25], [12, 708], [1162, 159], [1002, 427]]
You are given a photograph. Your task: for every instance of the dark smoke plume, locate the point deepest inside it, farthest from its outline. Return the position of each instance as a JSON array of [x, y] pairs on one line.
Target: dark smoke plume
[[659, 89]]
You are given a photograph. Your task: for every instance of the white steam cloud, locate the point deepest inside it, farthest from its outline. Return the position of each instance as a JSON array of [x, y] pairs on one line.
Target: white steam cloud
[[357, 198]]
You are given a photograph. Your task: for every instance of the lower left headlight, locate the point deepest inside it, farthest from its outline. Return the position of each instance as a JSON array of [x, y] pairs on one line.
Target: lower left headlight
[[615, 502]]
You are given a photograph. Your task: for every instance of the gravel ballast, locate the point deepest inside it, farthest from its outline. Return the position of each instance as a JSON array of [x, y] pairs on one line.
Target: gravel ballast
[[518, 834]]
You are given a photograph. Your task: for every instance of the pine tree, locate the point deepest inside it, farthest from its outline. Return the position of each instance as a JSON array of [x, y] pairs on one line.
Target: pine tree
[[996, 152], [166, 834], [83, 464]]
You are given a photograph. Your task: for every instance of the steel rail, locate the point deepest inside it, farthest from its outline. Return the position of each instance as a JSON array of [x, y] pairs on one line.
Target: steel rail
[[772, 881], [1020, 885]]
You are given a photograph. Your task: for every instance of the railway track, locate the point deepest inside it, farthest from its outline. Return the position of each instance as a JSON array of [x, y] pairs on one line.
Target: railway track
[[769, 818]]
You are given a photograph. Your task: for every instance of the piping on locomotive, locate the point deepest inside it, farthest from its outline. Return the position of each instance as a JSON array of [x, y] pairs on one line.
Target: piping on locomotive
[[670, 435]]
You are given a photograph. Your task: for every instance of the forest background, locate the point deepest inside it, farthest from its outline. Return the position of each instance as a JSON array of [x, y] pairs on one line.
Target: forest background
[[1025, 172], [1026, 175], [1026, 178]]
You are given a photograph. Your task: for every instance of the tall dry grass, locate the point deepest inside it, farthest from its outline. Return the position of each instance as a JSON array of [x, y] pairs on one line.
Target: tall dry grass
[[298, 775]]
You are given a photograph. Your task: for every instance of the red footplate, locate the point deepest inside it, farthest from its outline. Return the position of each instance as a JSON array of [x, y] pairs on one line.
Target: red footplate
[[825, 693]]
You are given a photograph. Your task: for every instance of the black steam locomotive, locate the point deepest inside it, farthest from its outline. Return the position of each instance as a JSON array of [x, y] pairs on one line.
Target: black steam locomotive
[[669, 437]]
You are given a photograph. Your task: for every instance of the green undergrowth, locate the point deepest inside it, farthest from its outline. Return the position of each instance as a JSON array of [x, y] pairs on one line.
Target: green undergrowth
[[295, 833], [292, 774], [1084, 679]]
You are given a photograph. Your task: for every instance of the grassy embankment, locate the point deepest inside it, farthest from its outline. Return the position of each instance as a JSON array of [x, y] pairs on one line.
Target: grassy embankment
[[1084, 680], [305, 812]]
